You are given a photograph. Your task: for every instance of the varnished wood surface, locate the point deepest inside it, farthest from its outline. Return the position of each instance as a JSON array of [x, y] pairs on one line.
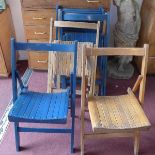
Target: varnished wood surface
[[5, 35]]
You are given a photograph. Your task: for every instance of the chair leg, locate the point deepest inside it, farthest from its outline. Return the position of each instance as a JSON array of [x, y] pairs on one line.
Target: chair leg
[[82, 142], [136, 142], [17, 136], [72, 133]]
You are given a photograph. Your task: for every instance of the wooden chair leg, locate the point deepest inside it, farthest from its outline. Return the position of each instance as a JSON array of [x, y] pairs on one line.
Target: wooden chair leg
[[82, 143], [82, 132], [72, 132], [17, 136], [136, 142]]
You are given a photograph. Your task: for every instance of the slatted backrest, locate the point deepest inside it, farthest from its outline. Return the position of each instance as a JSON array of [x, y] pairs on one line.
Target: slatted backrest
[[141, 52], [67, 24], [45, 47]]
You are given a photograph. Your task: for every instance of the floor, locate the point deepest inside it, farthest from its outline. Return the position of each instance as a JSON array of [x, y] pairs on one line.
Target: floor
[[45, 144]]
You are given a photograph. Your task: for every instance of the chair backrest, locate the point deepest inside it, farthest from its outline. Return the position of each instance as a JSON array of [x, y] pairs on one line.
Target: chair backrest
[[45, 47], [80, 25], [141, 52]]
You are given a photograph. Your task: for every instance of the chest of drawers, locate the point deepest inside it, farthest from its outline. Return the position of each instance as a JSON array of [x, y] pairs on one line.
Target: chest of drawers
[[36, 17]]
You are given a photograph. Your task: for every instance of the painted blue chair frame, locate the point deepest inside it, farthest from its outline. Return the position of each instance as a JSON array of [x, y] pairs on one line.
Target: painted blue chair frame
[[88, 15], [19, 101]]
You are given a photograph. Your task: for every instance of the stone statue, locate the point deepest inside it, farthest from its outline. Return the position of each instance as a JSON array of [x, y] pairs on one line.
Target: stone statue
[[126, 34]]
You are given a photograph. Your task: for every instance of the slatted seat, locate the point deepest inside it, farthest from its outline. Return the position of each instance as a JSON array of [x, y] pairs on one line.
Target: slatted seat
[[40, 108], [116, 113]]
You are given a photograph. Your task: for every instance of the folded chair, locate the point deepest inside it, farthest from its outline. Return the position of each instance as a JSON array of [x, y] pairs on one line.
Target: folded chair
[[115, 116], [60, 64], [88, 15], [35, 107]]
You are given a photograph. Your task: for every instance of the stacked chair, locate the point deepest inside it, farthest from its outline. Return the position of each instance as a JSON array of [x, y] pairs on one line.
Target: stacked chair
[[115, 116], [91, 16], [36, 107], [60, 64]]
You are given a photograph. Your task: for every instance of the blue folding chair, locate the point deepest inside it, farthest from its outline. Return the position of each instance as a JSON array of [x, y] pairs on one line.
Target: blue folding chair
[[35, 107], [87, 15]]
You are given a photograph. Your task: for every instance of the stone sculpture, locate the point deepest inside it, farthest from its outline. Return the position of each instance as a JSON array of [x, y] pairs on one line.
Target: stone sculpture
[[126, 34]]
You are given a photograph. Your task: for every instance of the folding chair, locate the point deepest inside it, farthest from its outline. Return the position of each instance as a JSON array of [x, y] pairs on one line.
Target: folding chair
[[60, 64], [87, 15], [35, 107], [116, 116]]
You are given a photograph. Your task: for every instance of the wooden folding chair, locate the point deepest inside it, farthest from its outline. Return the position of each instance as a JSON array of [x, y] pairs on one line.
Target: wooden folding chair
[[36, 107], [115, 116], [60, 64]]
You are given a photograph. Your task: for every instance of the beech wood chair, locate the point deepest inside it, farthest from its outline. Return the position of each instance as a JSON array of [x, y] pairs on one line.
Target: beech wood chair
[[36, 107], [115, 116], [60, 64]]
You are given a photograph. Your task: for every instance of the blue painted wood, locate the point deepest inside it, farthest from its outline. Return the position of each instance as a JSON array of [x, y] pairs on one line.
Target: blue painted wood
[[44, 47], [17, 136], [45, 130], [25, 104], [35, 107], [13, 66]]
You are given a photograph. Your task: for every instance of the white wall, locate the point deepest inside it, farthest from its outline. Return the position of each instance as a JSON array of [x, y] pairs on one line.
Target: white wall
[[15, 7], [16, 12]]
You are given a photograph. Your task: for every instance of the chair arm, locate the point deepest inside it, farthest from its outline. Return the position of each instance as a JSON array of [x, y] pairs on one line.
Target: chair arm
[[137, 84]]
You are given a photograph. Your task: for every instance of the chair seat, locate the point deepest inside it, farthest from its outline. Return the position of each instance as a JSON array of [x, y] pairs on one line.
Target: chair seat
[[40, 107], [115, 113]]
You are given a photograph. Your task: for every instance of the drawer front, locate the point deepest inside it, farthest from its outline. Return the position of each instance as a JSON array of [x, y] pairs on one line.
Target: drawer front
[[152, 50], [66, 3], [37, 32], [38, 60], [38, 17]]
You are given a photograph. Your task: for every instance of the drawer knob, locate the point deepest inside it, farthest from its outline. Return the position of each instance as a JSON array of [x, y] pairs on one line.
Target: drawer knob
[[93, 1], [40, 33], [42, 61], [38, 18]]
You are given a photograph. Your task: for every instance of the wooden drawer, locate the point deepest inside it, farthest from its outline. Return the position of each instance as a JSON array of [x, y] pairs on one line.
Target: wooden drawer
[[37, 32], [38, 17], [66, 3], [150, 67], [38, 60]]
